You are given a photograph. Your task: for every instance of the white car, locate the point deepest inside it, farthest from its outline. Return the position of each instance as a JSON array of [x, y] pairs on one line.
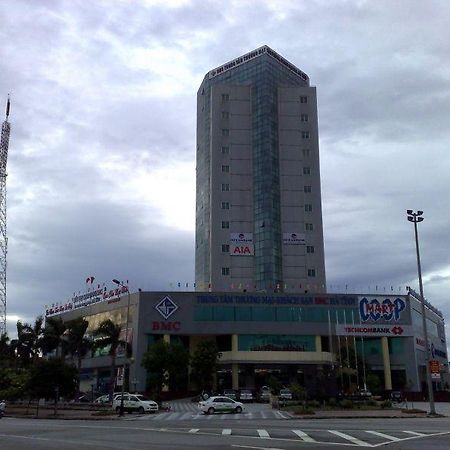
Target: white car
[[220, 405], [137, 403]]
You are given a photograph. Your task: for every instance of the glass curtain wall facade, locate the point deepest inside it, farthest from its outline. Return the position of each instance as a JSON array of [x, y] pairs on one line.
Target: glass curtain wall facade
[[238, 125]]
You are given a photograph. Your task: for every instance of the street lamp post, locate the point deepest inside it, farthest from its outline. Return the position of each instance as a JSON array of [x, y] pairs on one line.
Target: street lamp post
[[416, 217], [119, 283]]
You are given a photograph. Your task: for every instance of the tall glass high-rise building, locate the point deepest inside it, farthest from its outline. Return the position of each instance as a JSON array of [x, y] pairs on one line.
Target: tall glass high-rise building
[[258, 209]]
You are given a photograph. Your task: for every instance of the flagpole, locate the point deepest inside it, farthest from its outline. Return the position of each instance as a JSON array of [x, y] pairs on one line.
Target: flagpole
[[356, 352], [340, 354]]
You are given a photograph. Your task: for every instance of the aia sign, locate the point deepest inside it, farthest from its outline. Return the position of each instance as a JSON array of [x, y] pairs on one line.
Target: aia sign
[[386, 309]]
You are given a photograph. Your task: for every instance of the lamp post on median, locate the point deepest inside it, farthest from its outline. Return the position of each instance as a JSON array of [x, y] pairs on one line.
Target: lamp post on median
[[416, 217], [119, 283]]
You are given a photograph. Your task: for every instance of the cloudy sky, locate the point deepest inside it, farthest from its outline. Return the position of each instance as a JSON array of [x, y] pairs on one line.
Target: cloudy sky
[[102, 153]]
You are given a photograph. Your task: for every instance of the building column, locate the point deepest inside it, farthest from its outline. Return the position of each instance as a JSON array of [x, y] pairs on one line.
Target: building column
[[234, 366], [235, 376], [318, 343], [386, 363]]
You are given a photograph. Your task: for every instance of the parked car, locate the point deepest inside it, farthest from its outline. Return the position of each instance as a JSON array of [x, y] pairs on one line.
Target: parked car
[[364, 394], [246, 395], [220, 404], [264, 394], [285, 394], [397, 396], [230, 393], [137, 403], [102, 399]]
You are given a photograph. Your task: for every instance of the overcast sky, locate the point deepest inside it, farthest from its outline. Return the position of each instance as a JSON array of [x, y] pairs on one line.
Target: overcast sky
[[101, 169]]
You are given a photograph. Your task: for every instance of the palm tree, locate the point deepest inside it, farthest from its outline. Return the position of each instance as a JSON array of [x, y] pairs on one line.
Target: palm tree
[[6, 351], [77, 344], [108, 334], [53, 337], [29, 341]]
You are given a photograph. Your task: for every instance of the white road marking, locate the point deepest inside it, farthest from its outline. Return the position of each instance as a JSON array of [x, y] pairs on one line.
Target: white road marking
[[383, 435], [257, 448], [194, 430], [415, 433], [303, 436], [226, 432], [263, 434], [350, 438]]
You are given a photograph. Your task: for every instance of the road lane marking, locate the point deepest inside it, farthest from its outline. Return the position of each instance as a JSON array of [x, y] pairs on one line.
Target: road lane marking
[[256, 448], [383, 435], [415, 433], [350, 438], [303, 436], [263, 434], [226, 432], [194, 430]]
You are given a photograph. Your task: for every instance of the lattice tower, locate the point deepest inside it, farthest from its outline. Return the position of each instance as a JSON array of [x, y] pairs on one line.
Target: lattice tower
[[4, 144]]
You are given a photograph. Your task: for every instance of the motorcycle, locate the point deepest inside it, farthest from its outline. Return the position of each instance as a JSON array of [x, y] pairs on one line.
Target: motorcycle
[[2, 408]]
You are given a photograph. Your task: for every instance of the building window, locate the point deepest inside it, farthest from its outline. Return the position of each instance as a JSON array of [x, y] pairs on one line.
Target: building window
[[303, 99], [225, 205], [311, 273], [306, 171], [308, 207], [225, 169], [225, 271], [225, 150], [304, 117], [226, 115], [305, 134], [310, 249], [306, 152], [307, 189], [225, 187], [226, 132], [225, 248], [309, 227], [226, 97], [225, 224]]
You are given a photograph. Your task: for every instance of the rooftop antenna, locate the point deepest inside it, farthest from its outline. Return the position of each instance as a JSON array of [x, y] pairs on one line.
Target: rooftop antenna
[[4, 144]]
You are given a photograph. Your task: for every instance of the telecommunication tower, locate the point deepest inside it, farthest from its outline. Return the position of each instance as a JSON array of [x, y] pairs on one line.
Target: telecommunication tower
[[4, 144]]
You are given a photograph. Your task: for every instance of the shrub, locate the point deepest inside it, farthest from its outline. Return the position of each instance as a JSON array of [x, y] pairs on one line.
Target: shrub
[[386, 404], [371, 402], [347, 404], [302, 410], [313, 404], [332, 402]]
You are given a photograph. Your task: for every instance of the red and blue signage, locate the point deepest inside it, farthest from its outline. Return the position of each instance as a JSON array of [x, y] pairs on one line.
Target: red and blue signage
[[375, 309]]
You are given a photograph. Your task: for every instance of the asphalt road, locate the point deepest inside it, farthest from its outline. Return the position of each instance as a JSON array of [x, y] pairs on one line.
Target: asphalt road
[[218, 434]]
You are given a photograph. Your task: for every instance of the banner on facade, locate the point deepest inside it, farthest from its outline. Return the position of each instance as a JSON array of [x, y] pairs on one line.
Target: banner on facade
[[119, 376], [242, 250], [294, 239], [374, 330], [241, 238]]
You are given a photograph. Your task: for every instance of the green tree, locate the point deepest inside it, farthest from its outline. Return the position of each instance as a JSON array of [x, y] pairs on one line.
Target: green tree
[[108, 335], [29, 339], [6, 351], [47, 377], [77, 344], [53, 338], [204, 363], [165, 363]]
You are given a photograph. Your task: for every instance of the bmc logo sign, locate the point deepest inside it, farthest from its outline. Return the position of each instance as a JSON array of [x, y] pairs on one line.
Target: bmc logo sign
[[386, 309], [166, 326]]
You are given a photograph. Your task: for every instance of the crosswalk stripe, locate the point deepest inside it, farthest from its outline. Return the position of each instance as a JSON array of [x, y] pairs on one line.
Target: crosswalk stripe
[[226, 431], [186, 415], [194, 430], [383, 435], [415, 433], [263, 434], [349, 438], [303, 436]]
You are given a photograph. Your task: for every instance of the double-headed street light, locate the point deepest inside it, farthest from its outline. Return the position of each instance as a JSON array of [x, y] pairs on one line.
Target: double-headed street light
[[416, 217], [119, 283]]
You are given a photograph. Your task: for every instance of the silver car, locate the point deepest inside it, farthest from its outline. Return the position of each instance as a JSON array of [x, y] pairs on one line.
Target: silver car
[[220, 405]]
